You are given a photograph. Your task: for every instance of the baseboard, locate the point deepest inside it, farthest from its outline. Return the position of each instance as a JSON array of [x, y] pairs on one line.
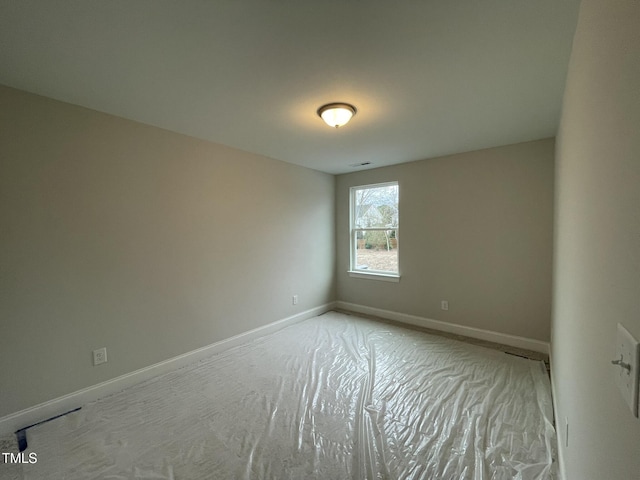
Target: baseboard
[[29, 416], [488, 335]]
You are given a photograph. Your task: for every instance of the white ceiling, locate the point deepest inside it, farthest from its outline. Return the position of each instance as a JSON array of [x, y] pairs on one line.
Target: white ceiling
[[429, 77]]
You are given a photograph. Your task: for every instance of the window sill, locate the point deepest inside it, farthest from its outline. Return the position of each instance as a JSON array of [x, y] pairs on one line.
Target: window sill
[[385, 277]]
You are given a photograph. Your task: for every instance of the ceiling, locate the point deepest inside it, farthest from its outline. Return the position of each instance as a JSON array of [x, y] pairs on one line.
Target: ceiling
[[428, 77]]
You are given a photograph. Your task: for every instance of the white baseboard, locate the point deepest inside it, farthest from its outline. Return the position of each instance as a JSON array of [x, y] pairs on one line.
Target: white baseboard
[[488, 335], [29, 416]]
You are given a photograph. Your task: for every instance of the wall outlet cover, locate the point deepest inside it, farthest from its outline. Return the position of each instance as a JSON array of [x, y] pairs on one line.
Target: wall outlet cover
[[100, 356], [627, 353]]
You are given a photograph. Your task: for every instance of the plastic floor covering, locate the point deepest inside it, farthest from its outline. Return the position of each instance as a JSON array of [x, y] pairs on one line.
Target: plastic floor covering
[[333, 397]]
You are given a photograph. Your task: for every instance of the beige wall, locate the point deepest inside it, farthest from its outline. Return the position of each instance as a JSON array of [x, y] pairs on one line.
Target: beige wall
[[145, 241], [597, 246], [475, 229]]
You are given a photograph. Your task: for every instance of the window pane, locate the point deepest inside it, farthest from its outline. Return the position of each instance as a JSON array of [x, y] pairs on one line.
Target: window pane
[[376, 207], [377, 251]]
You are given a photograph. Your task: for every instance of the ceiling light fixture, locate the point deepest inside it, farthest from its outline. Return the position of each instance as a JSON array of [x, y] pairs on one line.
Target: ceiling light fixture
[[336, 114]]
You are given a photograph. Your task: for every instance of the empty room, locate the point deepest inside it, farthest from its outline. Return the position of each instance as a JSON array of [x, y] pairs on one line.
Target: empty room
[[319, 240]]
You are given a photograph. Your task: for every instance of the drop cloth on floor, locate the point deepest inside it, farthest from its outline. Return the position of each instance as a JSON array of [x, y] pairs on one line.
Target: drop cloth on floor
[[333, 397]]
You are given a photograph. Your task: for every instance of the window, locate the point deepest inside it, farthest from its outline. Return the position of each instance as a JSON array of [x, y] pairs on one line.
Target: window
[[374, 230]]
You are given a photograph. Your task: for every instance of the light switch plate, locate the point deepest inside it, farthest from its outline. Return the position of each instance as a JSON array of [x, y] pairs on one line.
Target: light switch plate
[[628, 353]]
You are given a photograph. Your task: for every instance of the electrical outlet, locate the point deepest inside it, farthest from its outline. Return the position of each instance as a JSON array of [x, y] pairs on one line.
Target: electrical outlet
[[100, 356], [627, 362], [444, 305], [294, 300]]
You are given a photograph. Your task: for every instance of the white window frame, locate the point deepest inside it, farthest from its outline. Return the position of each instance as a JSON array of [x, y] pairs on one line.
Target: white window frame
[[353, 234]]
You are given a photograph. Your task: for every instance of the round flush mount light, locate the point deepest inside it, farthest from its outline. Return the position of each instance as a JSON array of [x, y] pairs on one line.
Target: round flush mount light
[[336, 114]]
